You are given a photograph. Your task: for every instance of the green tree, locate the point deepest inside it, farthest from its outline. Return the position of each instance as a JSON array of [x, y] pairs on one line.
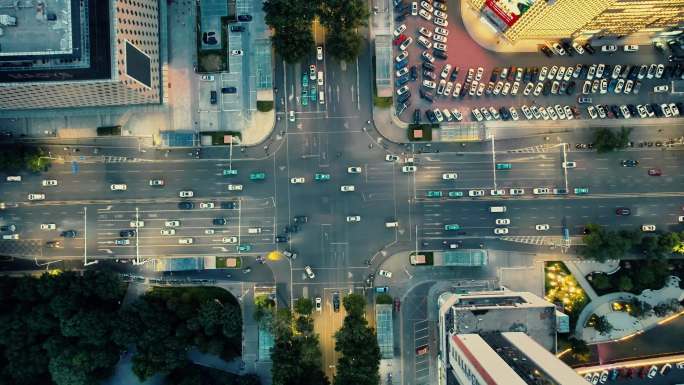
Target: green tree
[[625, 283], [344, 45], [601, 245], [355, 305], [304, 306], [600, 281], [345, 14], [603, 326], [606, 140], [291, 21], [639, 309], [358, 344], [580, 350]]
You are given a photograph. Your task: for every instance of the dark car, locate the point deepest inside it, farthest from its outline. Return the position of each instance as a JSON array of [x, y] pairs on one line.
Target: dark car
[[53, 244], [427, 95], [212, 97], [495, 74], [237, 28], [571, 87], [546, 51], [616, 111], [127, 233], [439, 54], [589, 48], [400, 18], [301, 219], [245, 17], [629, 163], [281, 238], [219, 221], [428, 66], [654, 172], [454, 74], [228, 90], [431, 116], [404, 97], [69, 234], [413, 72], [11, 228], [623, 211], [336, 301], [416, 116], [186, 205], [228, 205]]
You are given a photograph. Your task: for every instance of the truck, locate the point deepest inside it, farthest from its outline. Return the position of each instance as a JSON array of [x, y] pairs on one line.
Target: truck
[[8, 20]]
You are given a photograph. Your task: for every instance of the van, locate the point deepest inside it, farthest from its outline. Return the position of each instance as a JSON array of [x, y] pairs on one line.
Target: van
[[497, 209], [321, 97], [254, 230]]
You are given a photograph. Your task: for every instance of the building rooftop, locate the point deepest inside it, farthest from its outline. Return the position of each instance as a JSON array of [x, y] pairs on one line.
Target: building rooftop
[[47, 28], [486, 361]]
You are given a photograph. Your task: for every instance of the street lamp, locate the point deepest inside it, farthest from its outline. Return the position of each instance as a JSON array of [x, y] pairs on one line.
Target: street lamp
[[85, 239]]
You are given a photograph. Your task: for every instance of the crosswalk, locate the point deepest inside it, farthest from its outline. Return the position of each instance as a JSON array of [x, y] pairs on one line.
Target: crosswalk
[[540, 240], [533, 149]]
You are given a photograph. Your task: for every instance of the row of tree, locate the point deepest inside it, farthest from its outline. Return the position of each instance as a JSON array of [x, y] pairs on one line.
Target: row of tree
[[606, 140], [70, 329], [292, 22], [19, 157], [601, 244]]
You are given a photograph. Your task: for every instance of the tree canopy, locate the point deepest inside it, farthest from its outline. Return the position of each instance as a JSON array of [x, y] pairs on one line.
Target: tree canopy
[[358, 345], [20, 157], [606, 140]]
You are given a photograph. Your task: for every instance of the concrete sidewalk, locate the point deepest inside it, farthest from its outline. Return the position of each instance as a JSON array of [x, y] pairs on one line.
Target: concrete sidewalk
[[581, 279]]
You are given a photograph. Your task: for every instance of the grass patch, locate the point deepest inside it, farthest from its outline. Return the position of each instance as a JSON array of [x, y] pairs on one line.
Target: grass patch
[[217, 136], [221, 262], [562, 289], [382, 101], [383, 299], [425, 131], [264, 105]]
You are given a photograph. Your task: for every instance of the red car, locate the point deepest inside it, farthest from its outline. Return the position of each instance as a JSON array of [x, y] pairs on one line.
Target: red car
[[654, 172], [422, 350], [397, 305], [399, 39]]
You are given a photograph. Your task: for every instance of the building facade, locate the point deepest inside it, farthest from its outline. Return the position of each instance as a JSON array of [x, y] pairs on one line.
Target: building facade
[[117, 65], [584, 19]]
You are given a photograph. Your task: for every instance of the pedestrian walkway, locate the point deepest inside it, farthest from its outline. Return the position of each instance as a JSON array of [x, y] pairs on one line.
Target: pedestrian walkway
[[581, 280]]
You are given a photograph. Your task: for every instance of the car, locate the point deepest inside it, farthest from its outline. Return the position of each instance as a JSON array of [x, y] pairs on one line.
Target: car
[[206, 205], [581, 190], [312, 71], [592, 112], [527, 112], [501, 230], [47, 182], [476, 193], [440, 22], [497, 192], [402, 72], [235, 187], [514, 88], [569, 164], [439, 38], [48, 226], [172, 223], [118, 187], [167, 231], [433, 194], [661, 88], [36, 197], [309, 273], [385, 273], [244, 17], [604, 377], [408, 169], [156, 182], [502, 221], [609, 48], [652, 372], [425, 14], [538, 89], [440, 47], [236, 52], [186, 205], [347, 188], [660, 70], [423, 349], [122, 242], [654, 172], [648, 228], [541, 191], [578, 48], [542, 227], [455, 194], [402, 90], [207, 78], [127, 233], [438, 115], [318, 302], [354, 170], [629, 86], [353, 218], [399, 30], [625, 111], [451, 227], [186, 194], [319, 53], [449, 175], [440, 14]]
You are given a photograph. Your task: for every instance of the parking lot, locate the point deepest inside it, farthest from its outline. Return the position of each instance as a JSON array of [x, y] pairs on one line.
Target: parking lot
[[489, 80], [639, 375]]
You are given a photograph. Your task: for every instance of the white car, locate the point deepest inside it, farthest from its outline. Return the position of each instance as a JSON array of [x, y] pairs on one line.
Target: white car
[[309, 272], [429, 84], [516, 191], [425, 32], [319, 79], [347, 188], [206, 205], [480, 72], [526, 111], [503, 221], [501, 231], [49, 182], [185, 241], [402, 72], [441, 22], [538, 89], [543, 227], [498, 192], [234, 187], [48, 226], [399, 30], [391, 158], [578, 48], [236, 52], [209, 231], [541, 191], [569, 164], [659, 89], [354, 170], [648, 228], [402, 90], [118, 187], [353, 218], [385, 273], [298, 180], [408, 169], [476, 193], [424, 42], [609, 48], [229, 240], [319, 53], [401, 56], [515, 88], [156, 182], [319, 301], [186, 194], [36, 197], [208, 78], [514, 113], [439, 38], [425, 14], [172, 223], [631, 48], [449, 175], [292, 116], [442, 31], [168, 231], [439, 13]]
